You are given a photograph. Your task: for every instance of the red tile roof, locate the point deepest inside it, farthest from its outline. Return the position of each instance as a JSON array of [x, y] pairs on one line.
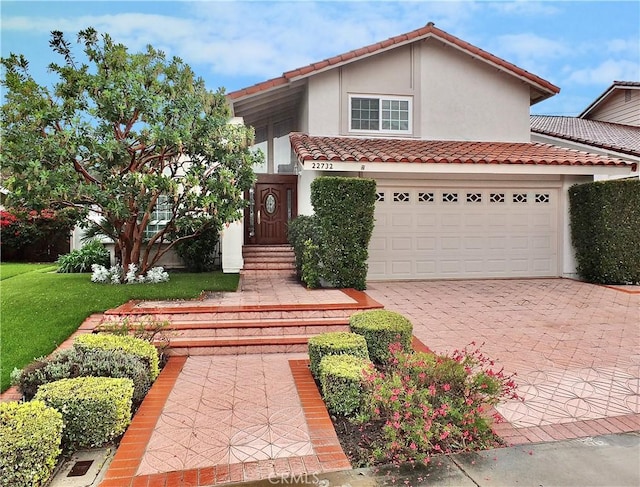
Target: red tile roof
[[429, 30], [346, 149], [605, 135]]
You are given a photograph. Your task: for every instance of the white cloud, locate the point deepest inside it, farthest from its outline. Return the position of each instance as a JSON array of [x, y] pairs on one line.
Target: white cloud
[[531, 46], [623, 45], [606, 72], [525, 7]]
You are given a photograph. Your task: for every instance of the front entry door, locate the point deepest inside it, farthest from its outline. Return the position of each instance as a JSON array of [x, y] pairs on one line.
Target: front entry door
[[274, 205]]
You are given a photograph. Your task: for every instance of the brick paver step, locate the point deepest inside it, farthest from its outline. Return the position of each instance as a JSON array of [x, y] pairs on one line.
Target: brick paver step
[[252, 323], [236, 345]]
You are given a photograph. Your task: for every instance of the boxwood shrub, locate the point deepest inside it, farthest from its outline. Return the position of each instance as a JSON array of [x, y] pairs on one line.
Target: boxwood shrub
[[335, 343], [605, 218], [30, 437], [344, 209], [341, 380], [83, 362], [381, 328], [135, 346], [94, 409]]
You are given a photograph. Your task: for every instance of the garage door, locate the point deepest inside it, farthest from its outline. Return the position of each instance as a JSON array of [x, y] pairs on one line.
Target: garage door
[[464, 232]]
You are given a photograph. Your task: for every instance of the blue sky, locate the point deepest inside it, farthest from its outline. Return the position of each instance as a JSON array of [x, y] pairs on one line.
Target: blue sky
[[582, 47]]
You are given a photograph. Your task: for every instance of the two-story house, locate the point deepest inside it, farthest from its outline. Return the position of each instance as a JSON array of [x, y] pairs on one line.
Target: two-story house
[[443, 127]]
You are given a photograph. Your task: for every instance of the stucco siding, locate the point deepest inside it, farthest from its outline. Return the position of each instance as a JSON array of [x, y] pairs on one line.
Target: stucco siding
[[323, 113], [464, 99]]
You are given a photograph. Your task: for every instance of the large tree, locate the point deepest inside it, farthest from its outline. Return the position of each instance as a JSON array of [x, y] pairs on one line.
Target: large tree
[[119, 134]]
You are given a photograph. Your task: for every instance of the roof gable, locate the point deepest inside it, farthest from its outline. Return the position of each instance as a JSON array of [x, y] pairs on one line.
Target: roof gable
[[540, 89], [617, 85]]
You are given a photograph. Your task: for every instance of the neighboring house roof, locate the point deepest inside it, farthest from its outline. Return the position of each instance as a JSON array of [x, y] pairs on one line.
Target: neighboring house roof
[[540, 89], [605, 135], [617, 85], [345, 149]]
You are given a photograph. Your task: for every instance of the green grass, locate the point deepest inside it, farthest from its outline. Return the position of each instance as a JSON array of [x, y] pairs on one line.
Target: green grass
[[39, 309], [14, 269]]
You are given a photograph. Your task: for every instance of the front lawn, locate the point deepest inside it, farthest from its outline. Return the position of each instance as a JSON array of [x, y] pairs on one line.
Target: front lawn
[[39, 308]]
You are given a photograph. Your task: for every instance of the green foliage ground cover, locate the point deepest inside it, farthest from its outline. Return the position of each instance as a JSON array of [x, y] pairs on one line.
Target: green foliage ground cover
[[39, 308]]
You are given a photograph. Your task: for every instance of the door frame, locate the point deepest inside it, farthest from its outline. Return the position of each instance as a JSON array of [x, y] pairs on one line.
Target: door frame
[[249, 212]]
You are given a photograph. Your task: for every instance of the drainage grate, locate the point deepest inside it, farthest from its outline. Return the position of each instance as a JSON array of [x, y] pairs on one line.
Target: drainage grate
[[80, 468]]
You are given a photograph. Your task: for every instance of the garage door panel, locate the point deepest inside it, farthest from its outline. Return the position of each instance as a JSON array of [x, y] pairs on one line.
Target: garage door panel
[[402, 243], [426, 221], [457, 233], [426, 243], [400, 221], [402, 267]]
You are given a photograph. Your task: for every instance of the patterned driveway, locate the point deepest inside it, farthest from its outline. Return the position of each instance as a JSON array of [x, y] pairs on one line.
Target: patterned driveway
[[574, 346]]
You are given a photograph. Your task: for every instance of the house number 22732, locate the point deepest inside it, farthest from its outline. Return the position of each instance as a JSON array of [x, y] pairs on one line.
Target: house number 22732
[[322, 165]]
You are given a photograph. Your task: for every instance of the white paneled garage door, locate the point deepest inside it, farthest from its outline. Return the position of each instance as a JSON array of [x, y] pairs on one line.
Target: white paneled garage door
[[464, 232]]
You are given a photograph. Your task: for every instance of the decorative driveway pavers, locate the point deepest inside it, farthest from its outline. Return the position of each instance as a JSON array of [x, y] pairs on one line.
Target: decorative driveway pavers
[[574, 346]]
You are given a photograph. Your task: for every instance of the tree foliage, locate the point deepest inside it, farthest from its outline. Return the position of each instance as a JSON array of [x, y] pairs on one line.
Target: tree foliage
[[119, 133]]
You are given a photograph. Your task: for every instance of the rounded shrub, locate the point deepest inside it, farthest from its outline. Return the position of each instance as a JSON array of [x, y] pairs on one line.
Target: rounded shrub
[[30, 437], [381, 328], [78, 362], [94, 409], [341, 380], [136, 346], [335, 343]]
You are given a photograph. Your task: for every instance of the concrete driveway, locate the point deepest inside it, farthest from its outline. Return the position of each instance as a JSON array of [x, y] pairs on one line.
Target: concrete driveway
[[574, 346]]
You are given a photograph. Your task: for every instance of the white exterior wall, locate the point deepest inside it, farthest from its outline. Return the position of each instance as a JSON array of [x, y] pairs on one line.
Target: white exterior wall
[[231, 241], [465, 99], [455, 97], [323, 111]]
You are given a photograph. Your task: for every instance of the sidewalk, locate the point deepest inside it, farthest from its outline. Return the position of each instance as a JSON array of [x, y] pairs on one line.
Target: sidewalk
[[602, 461]]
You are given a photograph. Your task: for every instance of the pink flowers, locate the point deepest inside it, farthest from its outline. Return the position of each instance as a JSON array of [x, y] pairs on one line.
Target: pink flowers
[[434, 403]]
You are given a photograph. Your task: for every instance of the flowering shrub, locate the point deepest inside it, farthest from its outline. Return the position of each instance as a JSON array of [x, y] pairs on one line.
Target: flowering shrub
[[20, 227], [428, 404], [113, 275]]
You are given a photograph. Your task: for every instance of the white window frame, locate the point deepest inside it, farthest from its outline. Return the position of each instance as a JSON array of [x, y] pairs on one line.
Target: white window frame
[[157, 219], [380, 99]]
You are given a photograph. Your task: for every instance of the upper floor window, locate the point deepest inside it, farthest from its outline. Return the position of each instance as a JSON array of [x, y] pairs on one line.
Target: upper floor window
[[388, 114]]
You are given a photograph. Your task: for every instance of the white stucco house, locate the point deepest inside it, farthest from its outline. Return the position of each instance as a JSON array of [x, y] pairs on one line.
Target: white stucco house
[[444, 129], [609, 126]]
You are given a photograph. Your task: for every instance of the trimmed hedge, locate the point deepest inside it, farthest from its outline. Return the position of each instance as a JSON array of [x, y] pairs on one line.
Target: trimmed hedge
[[136, 346], [341, 379], [303, 237], [381, 328], [335, 343], [605, 230], [78, 362], [30, 437], [344, 208], [94, 409]]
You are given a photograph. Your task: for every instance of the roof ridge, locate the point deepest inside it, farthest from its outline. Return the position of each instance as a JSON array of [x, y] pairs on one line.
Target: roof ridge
[[412, 36]]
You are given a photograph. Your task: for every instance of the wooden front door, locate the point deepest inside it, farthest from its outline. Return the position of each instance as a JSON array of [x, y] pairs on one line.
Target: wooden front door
[[273, 205]]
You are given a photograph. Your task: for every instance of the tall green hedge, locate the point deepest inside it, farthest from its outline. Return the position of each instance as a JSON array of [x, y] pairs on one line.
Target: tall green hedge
[[344, 209], [605, 230]]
